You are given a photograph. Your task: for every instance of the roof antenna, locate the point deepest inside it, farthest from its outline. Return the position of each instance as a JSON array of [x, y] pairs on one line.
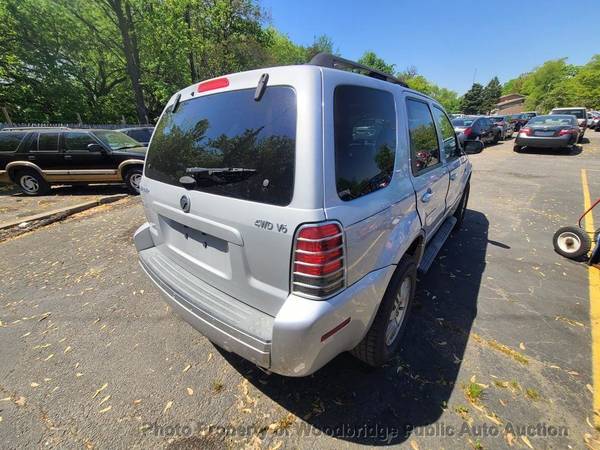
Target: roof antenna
[[262, 86]]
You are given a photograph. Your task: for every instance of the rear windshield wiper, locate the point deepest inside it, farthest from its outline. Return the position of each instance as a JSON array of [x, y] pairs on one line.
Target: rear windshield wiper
[[208, 176]]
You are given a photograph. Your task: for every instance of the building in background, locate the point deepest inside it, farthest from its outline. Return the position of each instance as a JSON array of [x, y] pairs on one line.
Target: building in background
[[510, 104]]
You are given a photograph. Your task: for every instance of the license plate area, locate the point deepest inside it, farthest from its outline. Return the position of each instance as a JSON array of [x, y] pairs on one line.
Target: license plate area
[[544, 133], [196, 248]]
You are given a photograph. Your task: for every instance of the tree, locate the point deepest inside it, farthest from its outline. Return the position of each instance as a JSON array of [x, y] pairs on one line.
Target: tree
[[370, 59], [473, 102], [491, 94]]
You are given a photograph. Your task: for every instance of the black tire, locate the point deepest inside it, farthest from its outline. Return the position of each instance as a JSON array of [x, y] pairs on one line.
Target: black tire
[[496, 138], [31, 182], [462, 207], [517, 149], [132, 178], [572, 242], [373, 349]]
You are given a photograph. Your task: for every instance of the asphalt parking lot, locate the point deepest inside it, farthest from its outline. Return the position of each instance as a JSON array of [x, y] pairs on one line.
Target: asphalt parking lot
[[500, 339]]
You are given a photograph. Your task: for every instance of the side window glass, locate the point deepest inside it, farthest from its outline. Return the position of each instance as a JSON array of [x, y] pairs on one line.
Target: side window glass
[[47, 142], [365, 140], [77, 141], [424, 149], [450, 147]]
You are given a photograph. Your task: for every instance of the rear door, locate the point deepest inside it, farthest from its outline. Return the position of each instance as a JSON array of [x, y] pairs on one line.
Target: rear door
[[44, 152], [429, 174], [452, 155], [256, 169]]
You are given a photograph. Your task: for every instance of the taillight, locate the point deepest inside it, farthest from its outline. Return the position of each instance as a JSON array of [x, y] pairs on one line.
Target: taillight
[[565, 132], [526, 131], [209, 85], [468, 132], [318, 261]]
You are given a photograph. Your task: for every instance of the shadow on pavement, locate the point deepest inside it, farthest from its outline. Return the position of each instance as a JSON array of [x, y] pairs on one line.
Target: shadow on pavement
[[565, 151], [370, 406], [70, 190]]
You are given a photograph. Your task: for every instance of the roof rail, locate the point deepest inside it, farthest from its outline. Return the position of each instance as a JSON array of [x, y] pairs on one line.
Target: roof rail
[[33, 128], [336, 62]]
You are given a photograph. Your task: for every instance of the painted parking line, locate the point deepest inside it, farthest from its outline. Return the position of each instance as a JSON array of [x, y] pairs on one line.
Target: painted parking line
[[594, 292]]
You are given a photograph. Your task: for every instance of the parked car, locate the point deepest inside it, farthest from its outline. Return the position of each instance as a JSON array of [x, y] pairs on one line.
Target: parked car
[[36, 158], [579, 112], [505, 125], [552, 131], [140, 134], [302, 161], [594, 120], [519, 120], [475, 128]]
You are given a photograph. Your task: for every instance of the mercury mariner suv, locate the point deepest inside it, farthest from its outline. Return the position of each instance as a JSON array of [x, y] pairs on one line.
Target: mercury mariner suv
[[290, 208]]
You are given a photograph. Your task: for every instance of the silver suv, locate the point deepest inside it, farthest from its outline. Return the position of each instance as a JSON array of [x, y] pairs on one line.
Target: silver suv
[[290, 208]]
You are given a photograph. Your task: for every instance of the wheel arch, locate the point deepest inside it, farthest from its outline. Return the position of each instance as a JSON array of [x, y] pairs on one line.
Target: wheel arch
[[128, 164], [13, 167]]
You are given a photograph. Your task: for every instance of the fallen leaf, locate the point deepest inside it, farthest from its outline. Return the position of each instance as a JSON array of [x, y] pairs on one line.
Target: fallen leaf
[[590, 388], [20, 401], [137, 402], [68, 349], [104, 386], [190, 391], [78, 374], [187, 368], [510, 439], [209, 357], [105, 399], [34, 385], [414, 445], [108, 408], [26, 334], [526, 440], [49, 357], [167, 406], [522, 346], [275, 447]]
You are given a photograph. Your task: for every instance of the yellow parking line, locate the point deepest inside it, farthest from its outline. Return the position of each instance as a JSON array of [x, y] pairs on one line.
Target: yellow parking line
[[594, 289]]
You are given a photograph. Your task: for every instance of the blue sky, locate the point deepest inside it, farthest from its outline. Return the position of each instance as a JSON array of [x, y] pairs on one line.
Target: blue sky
[[448, 40]]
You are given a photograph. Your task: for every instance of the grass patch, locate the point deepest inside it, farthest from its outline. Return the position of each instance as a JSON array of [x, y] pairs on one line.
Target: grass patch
[[532, 394], [474, 391]]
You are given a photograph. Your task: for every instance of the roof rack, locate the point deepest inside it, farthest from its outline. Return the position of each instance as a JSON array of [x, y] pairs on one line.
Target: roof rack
[[33, 128], [336, 62]]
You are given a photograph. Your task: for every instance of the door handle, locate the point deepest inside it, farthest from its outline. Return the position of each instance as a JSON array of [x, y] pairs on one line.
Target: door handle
[[31, 157], [427, 196], [68, 157], [453, 176]]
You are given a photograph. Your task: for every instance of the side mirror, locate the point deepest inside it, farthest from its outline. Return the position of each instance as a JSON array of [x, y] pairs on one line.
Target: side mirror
[[95, 148], [472, 147]]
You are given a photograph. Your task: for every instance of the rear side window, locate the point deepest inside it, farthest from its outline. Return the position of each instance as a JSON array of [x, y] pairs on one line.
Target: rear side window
[[47, 142], [9, 141], [78, 141], [424, 149], [230, 144], [365, 140], [140, 135]]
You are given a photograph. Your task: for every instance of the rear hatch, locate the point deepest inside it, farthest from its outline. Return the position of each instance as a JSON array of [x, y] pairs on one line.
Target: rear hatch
[[225, 187]]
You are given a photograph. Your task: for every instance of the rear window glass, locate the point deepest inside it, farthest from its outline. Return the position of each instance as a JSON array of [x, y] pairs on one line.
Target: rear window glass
[[463, 122], [365, 140], [552, 120], [579, 113], [230, 144], [9, 141]]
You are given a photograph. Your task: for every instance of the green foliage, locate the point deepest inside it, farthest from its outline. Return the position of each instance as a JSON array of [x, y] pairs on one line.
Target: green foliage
[[370, 59], [491, 95], [557, 83], [473, 102]]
